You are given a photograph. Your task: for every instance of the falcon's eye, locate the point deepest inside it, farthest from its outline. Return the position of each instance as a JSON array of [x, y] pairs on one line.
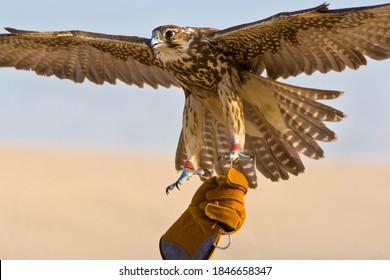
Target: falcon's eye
[[169, 34]]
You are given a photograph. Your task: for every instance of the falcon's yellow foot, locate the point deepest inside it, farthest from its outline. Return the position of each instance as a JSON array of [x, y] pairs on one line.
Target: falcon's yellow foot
[[235, 154], [186, 174]]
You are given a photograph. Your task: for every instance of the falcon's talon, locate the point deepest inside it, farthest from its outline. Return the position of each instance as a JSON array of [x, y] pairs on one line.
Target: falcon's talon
[[171, 187], [223, 156], [234, 157], [186, 174], [207, 174]]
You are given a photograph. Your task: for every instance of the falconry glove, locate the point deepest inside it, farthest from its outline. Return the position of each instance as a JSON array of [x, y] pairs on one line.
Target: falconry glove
[[216, 208]]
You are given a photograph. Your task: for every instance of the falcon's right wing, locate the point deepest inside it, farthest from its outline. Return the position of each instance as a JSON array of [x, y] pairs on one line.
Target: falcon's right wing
[[76, 55]]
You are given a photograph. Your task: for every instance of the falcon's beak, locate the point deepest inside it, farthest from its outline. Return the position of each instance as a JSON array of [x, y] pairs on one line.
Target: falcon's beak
[[155, 41]]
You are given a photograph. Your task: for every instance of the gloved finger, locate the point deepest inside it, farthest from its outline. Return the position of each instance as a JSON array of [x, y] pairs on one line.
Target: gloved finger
[[225, 193], [200, 194], [231, 204], [233, 179], [228, 217]]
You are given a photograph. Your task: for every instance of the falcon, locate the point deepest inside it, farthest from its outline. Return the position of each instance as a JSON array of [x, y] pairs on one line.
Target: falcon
[[235, 112]]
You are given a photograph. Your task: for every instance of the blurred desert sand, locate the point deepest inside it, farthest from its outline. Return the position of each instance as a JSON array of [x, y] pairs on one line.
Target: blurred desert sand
[[86, 205]]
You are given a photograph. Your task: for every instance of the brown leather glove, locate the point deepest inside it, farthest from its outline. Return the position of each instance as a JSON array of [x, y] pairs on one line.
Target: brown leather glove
[[216, 208]]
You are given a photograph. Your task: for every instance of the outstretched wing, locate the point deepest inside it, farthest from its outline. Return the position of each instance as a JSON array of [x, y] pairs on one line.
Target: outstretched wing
[[77, 55], [311, 40]]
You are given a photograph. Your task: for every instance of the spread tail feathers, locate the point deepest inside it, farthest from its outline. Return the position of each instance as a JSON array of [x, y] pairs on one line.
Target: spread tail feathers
[[281, 122]]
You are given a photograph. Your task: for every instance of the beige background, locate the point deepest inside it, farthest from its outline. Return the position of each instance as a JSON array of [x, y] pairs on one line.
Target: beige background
[[84, 205]]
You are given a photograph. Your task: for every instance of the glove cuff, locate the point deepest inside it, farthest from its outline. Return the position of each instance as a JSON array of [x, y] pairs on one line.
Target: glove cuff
[[173, 251]]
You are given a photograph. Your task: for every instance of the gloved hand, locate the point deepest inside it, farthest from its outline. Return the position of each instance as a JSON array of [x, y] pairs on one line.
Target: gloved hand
[[216, 208]]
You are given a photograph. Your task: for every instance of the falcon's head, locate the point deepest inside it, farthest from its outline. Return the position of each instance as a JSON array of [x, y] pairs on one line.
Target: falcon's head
[[170, 42], [170, 36]]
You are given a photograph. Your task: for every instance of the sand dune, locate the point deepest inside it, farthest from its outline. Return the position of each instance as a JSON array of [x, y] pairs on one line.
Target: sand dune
[[84, 205]]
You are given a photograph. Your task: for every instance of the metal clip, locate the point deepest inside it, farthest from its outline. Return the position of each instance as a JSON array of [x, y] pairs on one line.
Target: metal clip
[[229, 241]]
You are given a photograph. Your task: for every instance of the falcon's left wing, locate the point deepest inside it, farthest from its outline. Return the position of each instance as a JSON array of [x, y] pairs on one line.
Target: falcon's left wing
[[76, 55], [311, 40]]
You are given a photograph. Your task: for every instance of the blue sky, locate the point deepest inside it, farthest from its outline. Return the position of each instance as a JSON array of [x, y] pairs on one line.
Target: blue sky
[[46, 112]]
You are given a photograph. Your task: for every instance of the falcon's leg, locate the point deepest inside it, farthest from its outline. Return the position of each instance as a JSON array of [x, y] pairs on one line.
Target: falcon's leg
[[186, 174], [235, 153], [233, 114], [193, 123]]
